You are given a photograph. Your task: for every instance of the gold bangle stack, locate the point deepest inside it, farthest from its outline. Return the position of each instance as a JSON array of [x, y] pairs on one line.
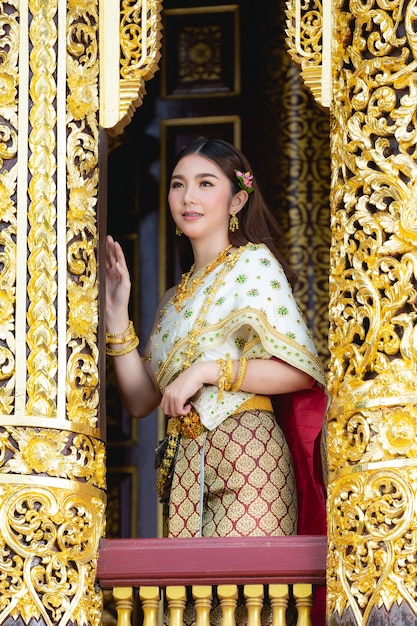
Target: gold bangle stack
[[222, 379], [128, 337], [230, 370], [243, 365], [226, 367]]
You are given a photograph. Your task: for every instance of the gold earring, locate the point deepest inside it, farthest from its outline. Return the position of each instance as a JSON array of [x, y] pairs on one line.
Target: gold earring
[[178, 231], [233, 222]]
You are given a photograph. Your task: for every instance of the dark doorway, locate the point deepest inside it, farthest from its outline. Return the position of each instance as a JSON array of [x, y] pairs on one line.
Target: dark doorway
[[225, 72]]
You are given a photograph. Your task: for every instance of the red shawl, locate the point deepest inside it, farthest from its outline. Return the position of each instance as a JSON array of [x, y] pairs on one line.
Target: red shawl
[[301, 416]]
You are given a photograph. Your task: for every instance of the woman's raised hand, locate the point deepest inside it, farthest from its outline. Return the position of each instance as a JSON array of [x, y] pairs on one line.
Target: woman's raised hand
[[117, 286]]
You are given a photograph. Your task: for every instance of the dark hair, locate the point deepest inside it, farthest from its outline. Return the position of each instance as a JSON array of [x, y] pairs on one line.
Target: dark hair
[[256, 222]]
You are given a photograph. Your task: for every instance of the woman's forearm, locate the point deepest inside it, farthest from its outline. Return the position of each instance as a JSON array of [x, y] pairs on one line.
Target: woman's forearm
[[135, 386], [271, 377], [263, 376]]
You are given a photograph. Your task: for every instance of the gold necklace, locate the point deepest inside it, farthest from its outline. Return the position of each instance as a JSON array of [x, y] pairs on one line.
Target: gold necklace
[[200, 322], [187, 288]]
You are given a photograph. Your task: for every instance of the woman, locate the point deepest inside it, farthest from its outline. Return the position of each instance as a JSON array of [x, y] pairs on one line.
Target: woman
[[225, 340]]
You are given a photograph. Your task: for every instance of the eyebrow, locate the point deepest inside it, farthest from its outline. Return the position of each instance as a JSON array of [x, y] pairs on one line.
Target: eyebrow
[[202, 175]]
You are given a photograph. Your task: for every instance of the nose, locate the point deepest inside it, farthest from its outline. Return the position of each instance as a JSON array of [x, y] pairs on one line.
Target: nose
[[189, 194]]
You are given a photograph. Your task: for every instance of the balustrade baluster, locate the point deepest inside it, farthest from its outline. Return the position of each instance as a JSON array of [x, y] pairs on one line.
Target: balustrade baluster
[[123, 600], [149, 597], [176, 598], [202, 595], [278, 597], [146, 563], [254, 595], [228, 600], [303, 595]]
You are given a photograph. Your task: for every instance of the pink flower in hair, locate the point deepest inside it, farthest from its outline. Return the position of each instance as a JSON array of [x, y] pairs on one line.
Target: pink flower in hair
[[245, 180]]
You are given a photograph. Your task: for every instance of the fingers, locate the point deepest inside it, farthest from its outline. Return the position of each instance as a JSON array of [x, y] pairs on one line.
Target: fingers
[[110, 252], [115, 259], [177, 395], [174, 403], [120, 257], [175, 408]]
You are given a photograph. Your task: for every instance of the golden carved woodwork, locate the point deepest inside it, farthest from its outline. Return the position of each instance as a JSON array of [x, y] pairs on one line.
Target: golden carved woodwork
[[129, 54], [309, 41], [372, 421], [52, 461], [48, 544], [9, 47]]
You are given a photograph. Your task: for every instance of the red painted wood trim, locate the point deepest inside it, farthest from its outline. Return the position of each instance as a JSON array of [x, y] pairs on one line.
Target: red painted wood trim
[[217, 560]]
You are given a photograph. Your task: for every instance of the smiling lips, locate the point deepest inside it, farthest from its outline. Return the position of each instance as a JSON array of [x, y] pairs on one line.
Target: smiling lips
[[193, 214]]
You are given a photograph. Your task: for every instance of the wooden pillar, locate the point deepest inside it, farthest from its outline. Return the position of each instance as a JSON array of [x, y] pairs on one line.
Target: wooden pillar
[[372, 423], [52, 456]]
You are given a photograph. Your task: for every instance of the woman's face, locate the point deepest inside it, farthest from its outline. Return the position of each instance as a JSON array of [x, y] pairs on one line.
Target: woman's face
[[200, 198]]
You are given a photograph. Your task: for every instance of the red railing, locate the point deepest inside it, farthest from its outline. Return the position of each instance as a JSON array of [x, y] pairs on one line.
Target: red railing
[[264, 566], [142, 562]]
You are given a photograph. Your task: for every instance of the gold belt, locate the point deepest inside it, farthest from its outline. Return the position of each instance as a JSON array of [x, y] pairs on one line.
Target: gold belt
[[190, 425], [260, 403]]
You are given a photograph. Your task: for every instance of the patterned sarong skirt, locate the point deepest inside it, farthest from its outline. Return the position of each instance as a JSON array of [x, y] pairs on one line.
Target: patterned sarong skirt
[[249, 485]]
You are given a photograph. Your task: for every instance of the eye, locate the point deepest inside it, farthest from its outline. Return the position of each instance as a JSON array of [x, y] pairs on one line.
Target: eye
[[206, 183], [175, 184]]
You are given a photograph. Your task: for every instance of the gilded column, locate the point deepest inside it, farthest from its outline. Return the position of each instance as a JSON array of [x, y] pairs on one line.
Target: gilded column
[[52, 476], [373, 310], [372, 421], [53, 67]]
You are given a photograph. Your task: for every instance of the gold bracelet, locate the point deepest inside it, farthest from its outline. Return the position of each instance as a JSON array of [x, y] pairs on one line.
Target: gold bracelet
[[119, 340], [230, 367], [222, 379], [243, 365], [118, 337], [129, 348]]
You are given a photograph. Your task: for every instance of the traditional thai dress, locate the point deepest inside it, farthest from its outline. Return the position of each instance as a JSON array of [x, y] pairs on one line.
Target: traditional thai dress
[[234, 473]]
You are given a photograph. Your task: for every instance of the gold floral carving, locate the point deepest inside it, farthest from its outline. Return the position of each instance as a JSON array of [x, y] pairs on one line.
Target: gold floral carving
[[138, 31], [140, 35], [309, 29], [82, 380], [55, 453], [9, 54], [372, 533], [41, 263], [48, 548], [140, 28], [372, 422], [81, 235]]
